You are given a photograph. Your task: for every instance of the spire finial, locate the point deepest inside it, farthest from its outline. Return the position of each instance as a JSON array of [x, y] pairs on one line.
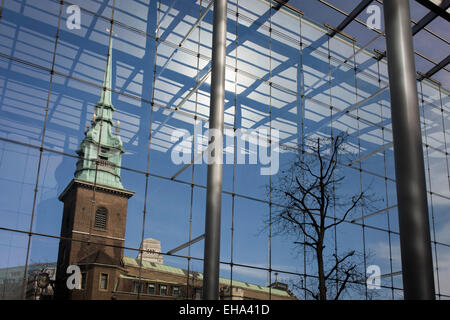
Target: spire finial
[[105, 94], [117, 126]]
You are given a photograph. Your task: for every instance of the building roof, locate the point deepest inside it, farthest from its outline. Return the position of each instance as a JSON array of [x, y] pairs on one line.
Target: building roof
[[128, 261]]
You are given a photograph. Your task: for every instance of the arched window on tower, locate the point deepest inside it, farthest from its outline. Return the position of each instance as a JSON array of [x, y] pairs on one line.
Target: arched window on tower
[[101, 215]]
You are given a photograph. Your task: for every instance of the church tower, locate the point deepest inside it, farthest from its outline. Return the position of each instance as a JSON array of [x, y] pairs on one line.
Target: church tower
[[95, 206]]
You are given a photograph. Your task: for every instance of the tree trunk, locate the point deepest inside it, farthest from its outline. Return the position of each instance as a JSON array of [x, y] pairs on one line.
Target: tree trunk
[[321, 271]]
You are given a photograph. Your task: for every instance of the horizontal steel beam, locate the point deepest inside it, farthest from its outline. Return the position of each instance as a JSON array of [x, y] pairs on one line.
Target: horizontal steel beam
[[430, 16], [373, 213], [162, 19], [352, 15], [202, 80], [393, 274], [381, 148], [196, 23], [279, 4], [435, 8], [187, 244], [437, 68], [187, 165]]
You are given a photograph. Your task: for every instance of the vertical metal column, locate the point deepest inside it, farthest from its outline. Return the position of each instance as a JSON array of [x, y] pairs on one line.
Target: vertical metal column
[[417, 266], [214, 183]]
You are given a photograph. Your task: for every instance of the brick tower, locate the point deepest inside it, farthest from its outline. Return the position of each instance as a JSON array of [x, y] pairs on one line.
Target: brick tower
[[95, 207]]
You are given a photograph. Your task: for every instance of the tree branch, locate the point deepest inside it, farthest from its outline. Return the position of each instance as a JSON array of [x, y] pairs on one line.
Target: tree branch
[[338, 262], [344, 283], [305, 209], [306, 243], [314, 295], [333, 160], [354, 203], [292, 219]]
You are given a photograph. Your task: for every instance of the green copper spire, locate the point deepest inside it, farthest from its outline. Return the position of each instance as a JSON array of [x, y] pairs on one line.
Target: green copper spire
[[100, 144]]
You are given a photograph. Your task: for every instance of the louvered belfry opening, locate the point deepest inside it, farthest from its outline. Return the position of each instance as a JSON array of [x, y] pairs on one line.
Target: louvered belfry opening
[[101, 216]]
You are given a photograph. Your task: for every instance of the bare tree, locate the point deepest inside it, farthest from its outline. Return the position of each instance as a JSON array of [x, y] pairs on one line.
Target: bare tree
[[311, 207]]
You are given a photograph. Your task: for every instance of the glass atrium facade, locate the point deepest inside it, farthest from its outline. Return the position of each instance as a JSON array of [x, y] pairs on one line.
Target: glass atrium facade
[[284, 73]]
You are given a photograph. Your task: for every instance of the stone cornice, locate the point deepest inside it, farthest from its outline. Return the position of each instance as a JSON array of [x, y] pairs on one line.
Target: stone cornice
[[89, 185]]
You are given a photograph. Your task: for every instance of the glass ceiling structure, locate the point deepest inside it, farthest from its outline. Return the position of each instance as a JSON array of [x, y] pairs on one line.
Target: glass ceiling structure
[[429, 24], [306, 68]]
